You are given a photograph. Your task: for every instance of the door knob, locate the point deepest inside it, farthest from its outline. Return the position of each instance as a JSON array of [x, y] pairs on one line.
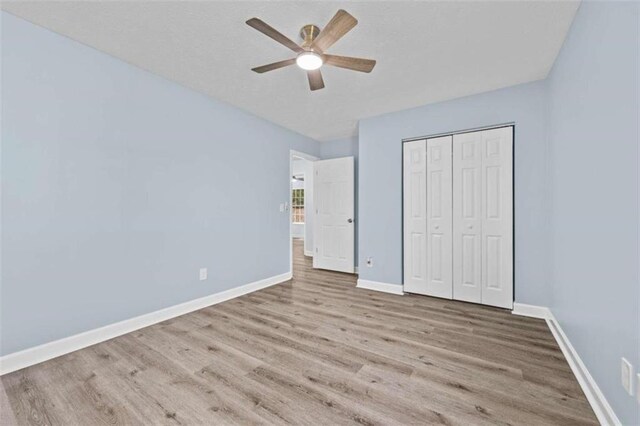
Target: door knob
[[470, 226], [350, 220], [437, 227]]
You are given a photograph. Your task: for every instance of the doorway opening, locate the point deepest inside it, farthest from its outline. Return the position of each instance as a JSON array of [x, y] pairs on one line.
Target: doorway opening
[[301, 202]]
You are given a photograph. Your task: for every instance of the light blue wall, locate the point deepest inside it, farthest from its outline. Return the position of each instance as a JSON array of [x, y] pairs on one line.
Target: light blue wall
[[380, 189], [593, 132], [347, 147], [118, 185]]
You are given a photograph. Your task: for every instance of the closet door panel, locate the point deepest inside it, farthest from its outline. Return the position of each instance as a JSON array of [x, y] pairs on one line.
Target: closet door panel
[[467, 217], [497, 217], [415, 216], [439, 214]]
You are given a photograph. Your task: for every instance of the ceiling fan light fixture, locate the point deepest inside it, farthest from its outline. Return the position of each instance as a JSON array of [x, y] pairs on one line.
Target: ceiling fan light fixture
[[309, 61], [311, 54]]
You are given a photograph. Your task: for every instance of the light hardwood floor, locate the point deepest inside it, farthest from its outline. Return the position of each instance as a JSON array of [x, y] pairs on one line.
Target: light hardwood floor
[[315, 351]]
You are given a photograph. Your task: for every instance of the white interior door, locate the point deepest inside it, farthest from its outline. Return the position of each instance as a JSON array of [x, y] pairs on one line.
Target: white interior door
[[467, 217], [334, 221], [497, 217], [439, 218], [415, 216]]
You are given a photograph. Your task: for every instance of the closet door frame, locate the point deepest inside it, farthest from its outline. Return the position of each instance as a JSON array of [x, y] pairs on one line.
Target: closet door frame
[[510, 125]]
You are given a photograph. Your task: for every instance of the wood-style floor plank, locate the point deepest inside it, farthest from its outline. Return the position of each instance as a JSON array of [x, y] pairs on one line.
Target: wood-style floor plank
[[314, 350], [6, 412]]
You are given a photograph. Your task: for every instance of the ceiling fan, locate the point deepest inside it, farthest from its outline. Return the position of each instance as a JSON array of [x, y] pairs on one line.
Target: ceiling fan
[[315, 42]]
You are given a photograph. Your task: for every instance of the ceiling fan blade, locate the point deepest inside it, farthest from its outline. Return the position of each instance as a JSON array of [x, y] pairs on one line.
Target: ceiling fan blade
[[355, 64], [274, 66], [338, 26], [269, 31], [315, 80]]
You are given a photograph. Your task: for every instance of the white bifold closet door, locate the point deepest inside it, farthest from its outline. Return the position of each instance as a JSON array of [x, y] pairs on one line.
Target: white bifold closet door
[[497, 217], [415, 216], [458, 217], [467, 217], [427, 211]]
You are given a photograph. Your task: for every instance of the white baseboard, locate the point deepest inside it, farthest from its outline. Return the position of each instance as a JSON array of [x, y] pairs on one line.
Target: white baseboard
[[600, 405], [603, 411], [46, 351], [378, 286], [533, 311], [308, 253]]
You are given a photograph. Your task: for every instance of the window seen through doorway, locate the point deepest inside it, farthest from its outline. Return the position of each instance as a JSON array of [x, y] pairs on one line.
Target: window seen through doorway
[[297, 206]]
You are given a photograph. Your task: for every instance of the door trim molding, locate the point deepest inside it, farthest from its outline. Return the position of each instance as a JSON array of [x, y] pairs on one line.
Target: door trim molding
[[457, 132], [597, 400], [37, 354], [378, 286]]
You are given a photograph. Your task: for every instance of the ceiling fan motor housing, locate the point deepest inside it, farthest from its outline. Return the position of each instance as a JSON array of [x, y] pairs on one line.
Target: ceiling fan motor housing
[[308, 33]]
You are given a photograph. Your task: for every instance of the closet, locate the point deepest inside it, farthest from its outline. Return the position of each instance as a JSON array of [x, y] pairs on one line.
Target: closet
[[458, 216]]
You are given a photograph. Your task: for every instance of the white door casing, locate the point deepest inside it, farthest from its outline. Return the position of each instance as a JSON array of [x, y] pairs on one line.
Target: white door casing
[[467, 217], [415, 216], [334, 215], [439, 215], [497, 217]]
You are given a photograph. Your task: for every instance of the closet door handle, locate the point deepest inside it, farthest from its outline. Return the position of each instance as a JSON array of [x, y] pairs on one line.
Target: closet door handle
[[350, 220]]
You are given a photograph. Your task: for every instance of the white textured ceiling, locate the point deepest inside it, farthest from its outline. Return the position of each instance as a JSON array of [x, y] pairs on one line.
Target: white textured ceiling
[[426, 51]]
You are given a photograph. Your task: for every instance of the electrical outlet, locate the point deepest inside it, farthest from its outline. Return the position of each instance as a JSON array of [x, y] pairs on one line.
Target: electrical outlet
[[626, 371], [203, 274], [369, 262]]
